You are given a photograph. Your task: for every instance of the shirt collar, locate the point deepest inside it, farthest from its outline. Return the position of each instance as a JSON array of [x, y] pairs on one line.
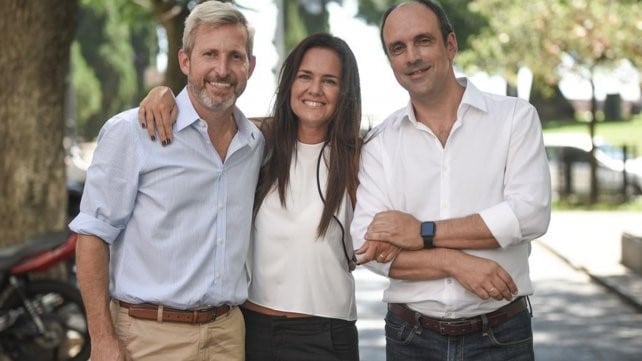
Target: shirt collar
[[472, 97], [187, 116]]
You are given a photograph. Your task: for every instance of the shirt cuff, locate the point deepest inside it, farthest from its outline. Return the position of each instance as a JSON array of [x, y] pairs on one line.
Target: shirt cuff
[[86, 224], [503, 224]]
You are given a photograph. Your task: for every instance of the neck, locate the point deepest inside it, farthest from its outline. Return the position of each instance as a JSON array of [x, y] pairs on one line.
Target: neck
[[311, 135]]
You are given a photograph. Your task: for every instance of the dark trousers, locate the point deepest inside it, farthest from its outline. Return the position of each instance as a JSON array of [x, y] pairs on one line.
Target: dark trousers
[[269, 338]]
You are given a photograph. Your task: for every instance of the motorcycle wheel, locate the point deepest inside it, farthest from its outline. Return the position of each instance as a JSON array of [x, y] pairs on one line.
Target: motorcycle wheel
[[61, 309]]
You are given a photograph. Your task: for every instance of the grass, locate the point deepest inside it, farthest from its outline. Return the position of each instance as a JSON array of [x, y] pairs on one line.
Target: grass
[[618, 133]]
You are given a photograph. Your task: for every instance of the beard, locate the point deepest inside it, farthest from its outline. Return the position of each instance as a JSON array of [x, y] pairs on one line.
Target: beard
[[199, 89]]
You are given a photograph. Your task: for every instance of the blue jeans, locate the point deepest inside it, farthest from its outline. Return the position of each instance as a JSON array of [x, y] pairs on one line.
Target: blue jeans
[[511, 340]]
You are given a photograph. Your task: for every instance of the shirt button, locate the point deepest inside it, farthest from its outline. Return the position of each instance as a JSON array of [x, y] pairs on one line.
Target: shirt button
[[449, 281], [219, 241]]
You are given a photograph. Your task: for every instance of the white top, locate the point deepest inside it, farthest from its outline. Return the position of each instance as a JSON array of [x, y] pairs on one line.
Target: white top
[[291, 269], [493, 164]]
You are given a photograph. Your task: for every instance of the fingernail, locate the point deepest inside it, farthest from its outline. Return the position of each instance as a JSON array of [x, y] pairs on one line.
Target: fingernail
[[143, 125], [169, 141], [164, 142], [153, 138]]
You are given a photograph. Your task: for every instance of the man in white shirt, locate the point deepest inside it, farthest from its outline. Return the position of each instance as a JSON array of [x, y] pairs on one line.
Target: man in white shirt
[[459, 180]]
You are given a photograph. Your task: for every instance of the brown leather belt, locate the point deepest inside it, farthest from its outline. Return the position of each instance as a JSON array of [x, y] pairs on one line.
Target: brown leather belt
[[160, 313], [459, 326]]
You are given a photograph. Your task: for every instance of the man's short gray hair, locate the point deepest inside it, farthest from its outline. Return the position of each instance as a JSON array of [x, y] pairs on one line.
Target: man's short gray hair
[[215, 13]]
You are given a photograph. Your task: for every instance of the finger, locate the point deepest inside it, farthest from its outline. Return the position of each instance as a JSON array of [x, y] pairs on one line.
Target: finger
[[508, 280], [151, 126], [141, 117], [367, 256], [161, 127], [173, 113]]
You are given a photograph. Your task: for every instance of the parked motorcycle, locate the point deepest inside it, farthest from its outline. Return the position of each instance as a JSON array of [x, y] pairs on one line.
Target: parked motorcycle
[[41, 319]]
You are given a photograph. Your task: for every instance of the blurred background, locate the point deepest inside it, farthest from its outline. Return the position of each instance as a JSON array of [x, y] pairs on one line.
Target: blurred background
[[68, 65]]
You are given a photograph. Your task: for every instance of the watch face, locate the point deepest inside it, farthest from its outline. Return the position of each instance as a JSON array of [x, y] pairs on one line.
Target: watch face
[[427, 229]]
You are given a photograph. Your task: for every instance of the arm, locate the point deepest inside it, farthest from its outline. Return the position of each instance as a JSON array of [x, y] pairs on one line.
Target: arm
[[157, 112], [92, 262], [402, 230], [481, 276]]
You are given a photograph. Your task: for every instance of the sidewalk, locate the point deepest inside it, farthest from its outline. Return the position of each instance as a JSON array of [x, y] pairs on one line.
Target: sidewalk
[[591, 242]]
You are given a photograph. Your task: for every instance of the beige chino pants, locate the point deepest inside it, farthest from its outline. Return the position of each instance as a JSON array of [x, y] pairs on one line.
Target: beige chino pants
[[146, 340]]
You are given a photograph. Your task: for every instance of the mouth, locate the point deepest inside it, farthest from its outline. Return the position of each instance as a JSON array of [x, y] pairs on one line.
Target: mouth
[[417, 72], [313, 104], [219, 84]]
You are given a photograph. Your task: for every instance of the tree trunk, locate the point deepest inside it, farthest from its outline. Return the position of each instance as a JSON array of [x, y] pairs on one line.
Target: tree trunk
[[172, 15], [35, 43]]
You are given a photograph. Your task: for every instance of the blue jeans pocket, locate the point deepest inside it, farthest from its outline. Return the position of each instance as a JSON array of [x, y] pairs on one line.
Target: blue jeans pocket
[[398, 331], [515, 331]]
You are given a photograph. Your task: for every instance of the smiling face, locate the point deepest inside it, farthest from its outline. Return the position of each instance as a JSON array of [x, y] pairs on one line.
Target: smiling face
[[420, 60], [217, 67], [315, 91]]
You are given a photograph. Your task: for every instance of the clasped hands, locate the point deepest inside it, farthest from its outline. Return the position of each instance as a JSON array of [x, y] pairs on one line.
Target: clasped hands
[[388, 234]]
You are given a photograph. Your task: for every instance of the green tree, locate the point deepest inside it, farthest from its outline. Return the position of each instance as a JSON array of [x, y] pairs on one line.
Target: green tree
[[35, 43], [465, 22], [114, 45], [580, 36]]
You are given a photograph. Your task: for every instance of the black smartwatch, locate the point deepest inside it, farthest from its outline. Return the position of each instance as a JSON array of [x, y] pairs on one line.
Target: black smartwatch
[[428, 233]]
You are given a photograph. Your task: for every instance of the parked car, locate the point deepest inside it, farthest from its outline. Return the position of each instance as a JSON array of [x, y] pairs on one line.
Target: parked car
[[574, 149]]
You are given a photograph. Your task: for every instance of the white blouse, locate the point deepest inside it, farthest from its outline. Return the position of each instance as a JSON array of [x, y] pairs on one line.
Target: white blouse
[[291, 269]]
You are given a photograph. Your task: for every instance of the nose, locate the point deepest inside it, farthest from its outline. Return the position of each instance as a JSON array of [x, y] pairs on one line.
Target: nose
[[222, 68], [412, 54], [316, 87]]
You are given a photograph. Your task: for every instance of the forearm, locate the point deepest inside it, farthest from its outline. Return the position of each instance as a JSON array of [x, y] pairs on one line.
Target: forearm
[[421, 265], [92, 262], [468, 232]]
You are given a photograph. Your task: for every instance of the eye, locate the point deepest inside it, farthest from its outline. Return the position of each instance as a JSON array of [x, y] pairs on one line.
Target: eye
[[424, 40], [330, 81], [303, 76], [396, 49], [238, 56]]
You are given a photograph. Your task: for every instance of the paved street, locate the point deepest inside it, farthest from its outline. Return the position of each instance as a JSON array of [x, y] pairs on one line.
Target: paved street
[[574, 318]]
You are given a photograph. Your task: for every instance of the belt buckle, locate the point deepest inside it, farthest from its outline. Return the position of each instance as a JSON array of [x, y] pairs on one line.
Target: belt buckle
[[465, 323]]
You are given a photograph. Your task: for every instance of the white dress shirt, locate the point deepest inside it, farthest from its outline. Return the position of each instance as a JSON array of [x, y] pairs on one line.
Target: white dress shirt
[[292, 269], [177, 218], [493, 164]]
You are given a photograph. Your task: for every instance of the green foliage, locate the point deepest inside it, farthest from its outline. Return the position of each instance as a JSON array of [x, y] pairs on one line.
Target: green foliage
[[624, 132], [465, 22], [105, 36], [542, 34], [86, 87]]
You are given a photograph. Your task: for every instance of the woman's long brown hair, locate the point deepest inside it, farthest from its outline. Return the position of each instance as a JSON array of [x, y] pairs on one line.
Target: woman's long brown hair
[[343, 131]]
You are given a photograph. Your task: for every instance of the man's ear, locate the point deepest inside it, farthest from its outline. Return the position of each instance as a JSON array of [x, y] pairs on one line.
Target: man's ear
[[252, 65], [183, 61], [451, 45]]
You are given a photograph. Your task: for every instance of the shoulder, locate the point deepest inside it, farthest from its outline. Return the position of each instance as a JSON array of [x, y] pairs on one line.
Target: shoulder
[[389, 125], [123, 123]]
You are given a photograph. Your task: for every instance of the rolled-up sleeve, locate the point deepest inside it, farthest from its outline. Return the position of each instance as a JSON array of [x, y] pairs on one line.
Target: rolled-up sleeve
[[525, 213], [112, 182]]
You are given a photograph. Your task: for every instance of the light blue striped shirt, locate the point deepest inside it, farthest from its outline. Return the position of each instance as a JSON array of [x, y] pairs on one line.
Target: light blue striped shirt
[[177, 219]]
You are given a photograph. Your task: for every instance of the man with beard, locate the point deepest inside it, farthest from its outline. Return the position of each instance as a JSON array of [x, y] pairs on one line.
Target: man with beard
[[164, 232]]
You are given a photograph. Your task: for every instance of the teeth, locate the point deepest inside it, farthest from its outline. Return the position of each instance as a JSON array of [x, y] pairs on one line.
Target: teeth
[[312, 104], [220, 85]]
